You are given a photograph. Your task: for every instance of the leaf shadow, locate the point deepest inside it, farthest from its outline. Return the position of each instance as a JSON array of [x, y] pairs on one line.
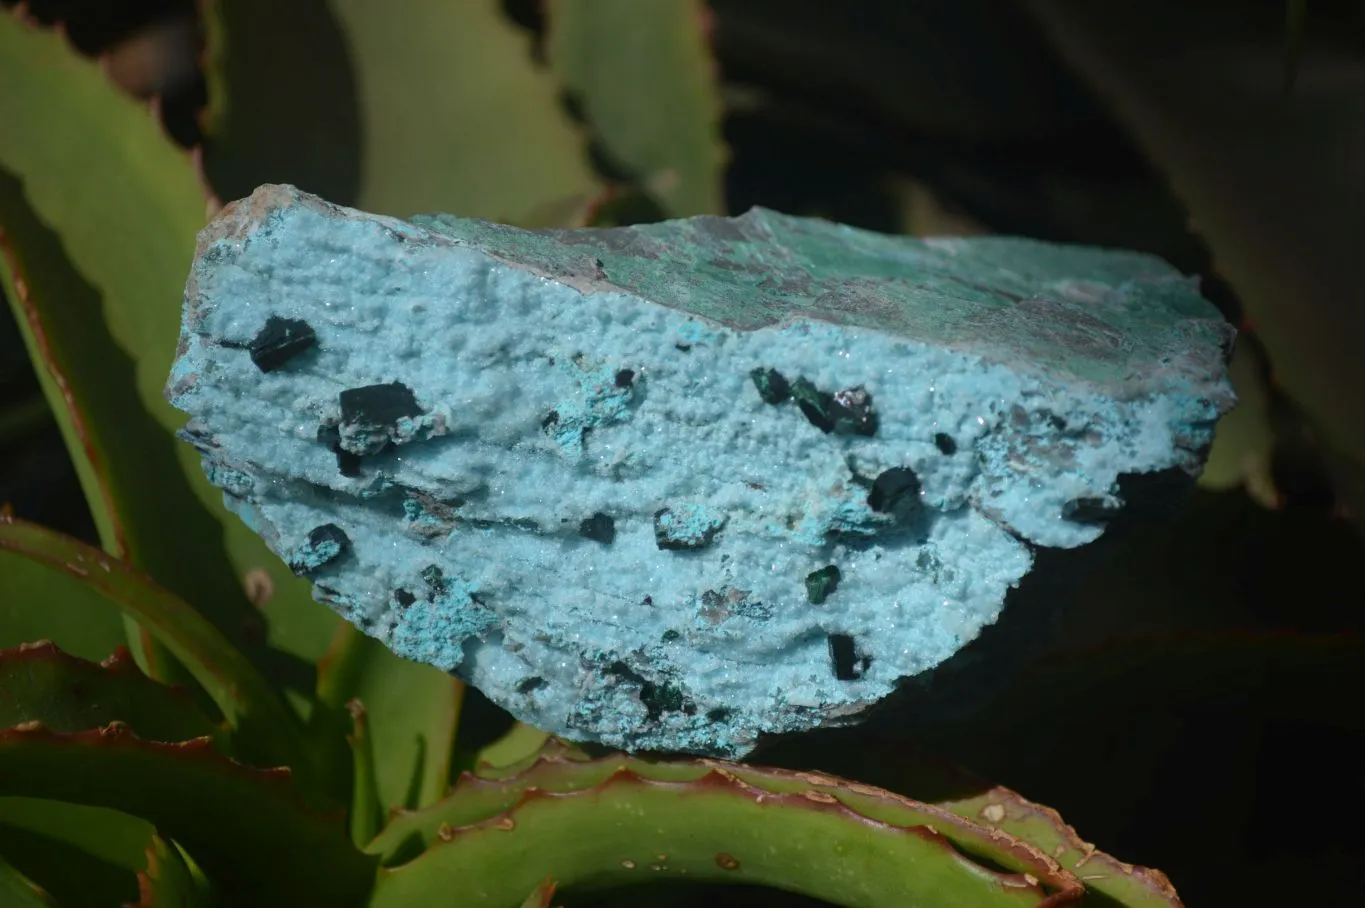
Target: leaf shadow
[[166, 531], [284, 114]]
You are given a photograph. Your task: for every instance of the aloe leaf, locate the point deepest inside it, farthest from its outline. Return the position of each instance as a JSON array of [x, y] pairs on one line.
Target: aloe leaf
[[17, 891], [367, 816], [1263, 178], [100, 211], [85, 857], [436, 106], [39, 606], [124, 247], [265, 729], [246, 828], [1106, 879], [40, 683], [167, 881], [645, 78], [520, 743], [412, 712], [1243, 441], [540, 897], [620, 820], [884, 761]]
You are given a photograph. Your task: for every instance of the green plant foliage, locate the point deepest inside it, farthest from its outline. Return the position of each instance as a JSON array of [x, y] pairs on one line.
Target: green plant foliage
[[541, 895], [367, 816], [620, 820], [18, 891], [437, 109], [85, 857], [37, 607], [265, 729], [126, 205], [168, 882], [411, 712], [1241, 450], [645, 79], [1106, 880], [246, 828], [521, 742], [1289, 250], [897, 765], [115, 787], [40, 683]]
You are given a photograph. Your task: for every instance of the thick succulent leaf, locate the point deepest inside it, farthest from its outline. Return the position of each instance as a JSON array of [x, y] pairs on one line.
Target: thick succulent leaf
[[646, 83], [433, 106], [412, 711], [265, 729], [85, 857], [619, 820], [521, 743], [40, 683], [540, 897], [900, 767], [1025, 735], [367, 816], [99, 211], [1107, 881], [1243, 442], [246, 828], [167, 881], [1266, 179], [39, 605], [18, 891]]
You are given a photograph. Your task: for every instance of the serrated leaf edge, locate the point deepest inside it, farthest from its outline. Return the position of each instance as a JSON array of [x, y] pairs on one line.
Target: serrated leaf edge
[[820, 792], [152, 104], [1055, 885], [118, 664], [1100, 864]]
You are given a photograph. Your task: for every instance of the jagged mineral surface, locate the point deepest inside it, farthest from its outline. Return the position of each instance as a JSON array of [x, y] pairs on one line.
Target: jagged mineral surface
[[671, 487]]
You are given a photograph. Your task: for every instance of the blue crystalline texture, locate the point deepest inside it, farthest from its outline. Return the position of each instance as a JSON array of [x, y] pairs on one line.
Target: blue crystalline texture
[[676, 486]]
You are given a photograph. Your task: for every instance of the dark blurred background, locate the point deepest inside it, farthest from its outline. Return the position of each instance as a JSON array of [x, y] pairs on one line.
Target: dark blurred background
[[1242, 779]]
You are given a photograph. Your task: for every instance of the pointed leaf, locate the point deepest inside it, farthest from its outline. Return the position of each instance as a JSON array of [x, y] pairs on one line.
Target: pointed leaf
[[266, 729], [434, 106], [167, 882], [521, 742], [85, 857], [40, 683], [897, 766], [17, 891], [366, 814], [246, 828], [621, 820], [412, 711], [644, 75], [1103, 876], [541, 895], [99, 212]]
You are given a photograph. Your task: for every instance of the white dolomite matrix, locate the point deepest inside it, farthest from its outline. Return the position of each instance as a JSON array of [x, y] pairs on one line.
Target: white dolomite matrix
[[677, 486]]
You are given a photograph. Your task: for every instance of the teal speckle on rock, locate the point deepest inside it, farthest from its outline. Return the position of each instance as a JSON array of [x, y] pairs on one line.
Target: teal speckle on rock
[[605, 475], [686, 526]]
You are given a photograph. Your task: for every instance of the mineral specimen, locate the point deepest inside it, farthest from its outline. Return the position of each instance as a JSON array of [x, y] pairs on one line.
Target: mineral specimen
[[675, 486]]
